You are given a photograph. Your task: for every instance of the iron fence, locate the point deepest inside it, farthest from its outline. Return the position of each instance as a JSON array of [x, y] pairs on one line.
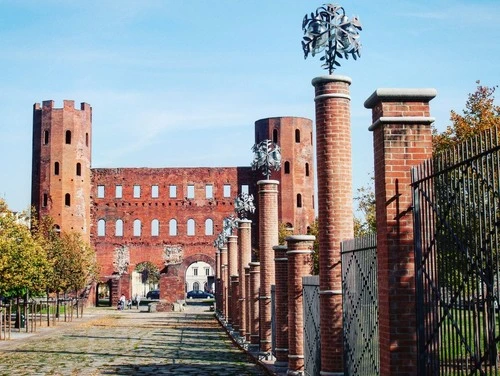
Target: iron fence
[[360, 306], [456, 200], [312, 342]]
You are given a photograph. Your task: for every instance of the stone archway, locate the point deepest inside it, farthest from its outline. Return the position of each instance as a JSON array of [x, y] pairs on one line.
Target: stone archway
[[172, 279]]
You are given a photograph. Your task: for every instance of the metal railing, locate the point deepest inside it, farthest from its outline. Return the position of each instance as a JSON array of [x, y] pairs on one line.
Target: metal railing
[[360, 306], [456, 198], [312, 342]]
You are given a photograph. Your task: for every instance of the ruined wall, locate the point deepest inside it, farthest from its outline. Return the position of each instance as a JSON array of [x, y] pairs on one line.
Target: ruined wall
[[154, 203]]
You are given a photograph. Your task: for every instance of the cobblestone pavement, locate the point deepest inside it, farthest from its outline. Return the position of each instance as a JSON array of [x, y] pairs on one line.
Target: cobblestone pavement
[[129, 343]]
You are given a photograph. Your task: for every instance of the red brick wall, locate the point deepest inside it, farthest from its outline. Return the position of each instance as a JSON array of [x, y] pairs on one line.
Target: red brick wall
[[401, 139], [335, 213]]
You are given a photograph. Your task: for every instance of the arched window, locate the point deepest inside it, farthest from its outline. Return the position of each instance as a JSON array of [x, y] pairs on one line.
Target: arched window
[[78, 169], [155, 227], [172, 227], [67, 199], [137, 227], [196, 286], [297, 135], [275, 136], [209, 227], [307, 169], [68, 137], [45, 137], [119, 227], [101, 227], [45, 200], [190, 227], [56, 168], [287, 167], [299, 200], [86, 139]]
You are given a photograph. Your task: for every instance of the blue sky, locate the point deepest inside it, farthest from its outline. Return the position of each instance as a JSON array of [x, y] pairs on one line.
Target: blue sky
[[181, 83]]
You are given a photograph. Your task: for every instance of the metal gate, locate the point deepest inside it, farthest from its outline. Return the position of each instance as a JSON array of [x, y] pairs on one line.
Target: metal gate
[[312, 338], [457, 225], [360, 306]]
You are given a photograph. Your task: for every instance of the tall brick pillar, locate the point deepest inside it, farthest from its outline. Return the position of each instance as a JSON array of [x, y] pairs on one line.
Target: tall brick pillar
[[335, 214], [232, 269], [281, 301], [244, 258], [299, 254], [234, 305], [268, 238], [401, 139], [254, 302], [223, 280], [248, 315], [217, 280]]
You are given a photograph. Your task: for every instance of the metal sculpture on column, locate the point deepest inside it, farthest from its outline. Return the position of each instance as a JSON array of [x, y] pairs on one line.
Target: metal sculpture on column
[[267, 157], [330, 30]]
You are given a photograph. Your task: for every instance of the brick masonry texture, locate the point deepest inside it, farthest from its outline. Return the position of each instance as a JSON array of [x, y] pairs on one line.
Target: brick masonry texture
[[335, 217], [399, 143], [281, 291], [84, 199]]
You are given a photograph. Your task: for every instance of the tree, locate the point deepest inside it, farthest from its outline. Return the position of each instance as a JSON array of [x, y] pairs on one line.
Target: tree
[[23, 262], [366, 206], [480, 113]]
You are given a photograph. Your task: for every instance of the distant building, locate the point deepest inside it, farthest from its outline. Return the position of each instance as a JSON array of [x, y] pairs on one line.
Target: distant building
[[163, 220]]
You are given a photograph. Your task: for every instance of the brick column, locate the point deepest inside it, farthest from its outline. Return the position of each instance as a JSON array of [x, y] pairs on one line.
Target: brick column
[[401, 139], [223, 281], [234, 302], [244, 258], [300, 263], [254, 302], [335, 214], [232, 269], [248, 311], [268, 238], [217, 280], [281, 300]]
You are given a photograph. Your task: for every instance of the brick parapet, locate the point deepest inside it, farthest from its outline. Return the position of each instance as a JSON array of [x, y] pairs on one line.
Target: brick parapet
[[299, 254], [254, 303], [244, 258], [335, 216], [268, 237], [281, 302], [402, 139]]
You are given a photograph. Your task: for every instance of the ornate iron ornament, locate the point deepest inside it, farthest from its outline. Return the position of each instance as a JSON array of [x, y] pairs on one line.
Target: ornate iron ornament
[[229, 224], [267, 156], [243, 204], [220, 240], [330, 30]]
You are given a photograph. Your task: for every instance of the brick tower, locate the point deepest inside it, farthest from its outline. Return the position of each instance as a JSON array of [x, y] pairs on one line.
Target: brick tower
[[61, 165], [296, 177]]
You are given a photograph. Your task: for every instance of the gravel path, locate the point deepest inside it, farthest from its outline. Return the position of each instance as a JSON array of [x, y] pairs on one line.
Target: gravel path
[[110, 342]]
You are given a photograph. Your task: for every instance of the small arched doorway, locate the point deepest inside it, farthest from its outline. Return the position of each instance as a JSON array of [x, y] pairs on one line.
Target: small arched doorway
[[103, 292]]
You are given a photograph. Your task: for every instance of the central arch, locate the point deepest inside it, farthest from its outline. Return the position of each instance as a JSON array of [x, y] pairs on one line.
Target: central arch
[[173, 277]]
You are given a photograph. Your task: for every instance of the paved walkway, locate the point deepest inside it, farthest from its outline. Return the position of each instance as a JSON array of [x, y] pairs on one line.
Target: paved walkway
[[109, 342]]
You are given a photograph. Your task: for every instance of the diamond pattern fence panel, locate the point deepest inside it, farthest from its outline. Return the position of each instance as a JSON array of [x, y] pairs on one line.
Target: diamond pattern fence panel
[[273, 320], [360, 306], [312, 343]]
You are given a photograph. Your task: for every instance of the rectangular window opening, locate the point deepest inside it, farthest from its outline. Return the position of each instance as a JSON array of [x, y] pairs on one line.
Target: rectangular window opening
[[190, 191], [118, 191], [154, 191], [137, 191], [100, 191], [173, 191]]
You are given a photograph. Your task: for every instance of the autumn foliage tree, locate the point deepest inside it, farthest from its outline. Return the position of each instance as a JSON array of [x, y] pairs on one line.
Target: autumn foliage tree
[[480, 113]]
